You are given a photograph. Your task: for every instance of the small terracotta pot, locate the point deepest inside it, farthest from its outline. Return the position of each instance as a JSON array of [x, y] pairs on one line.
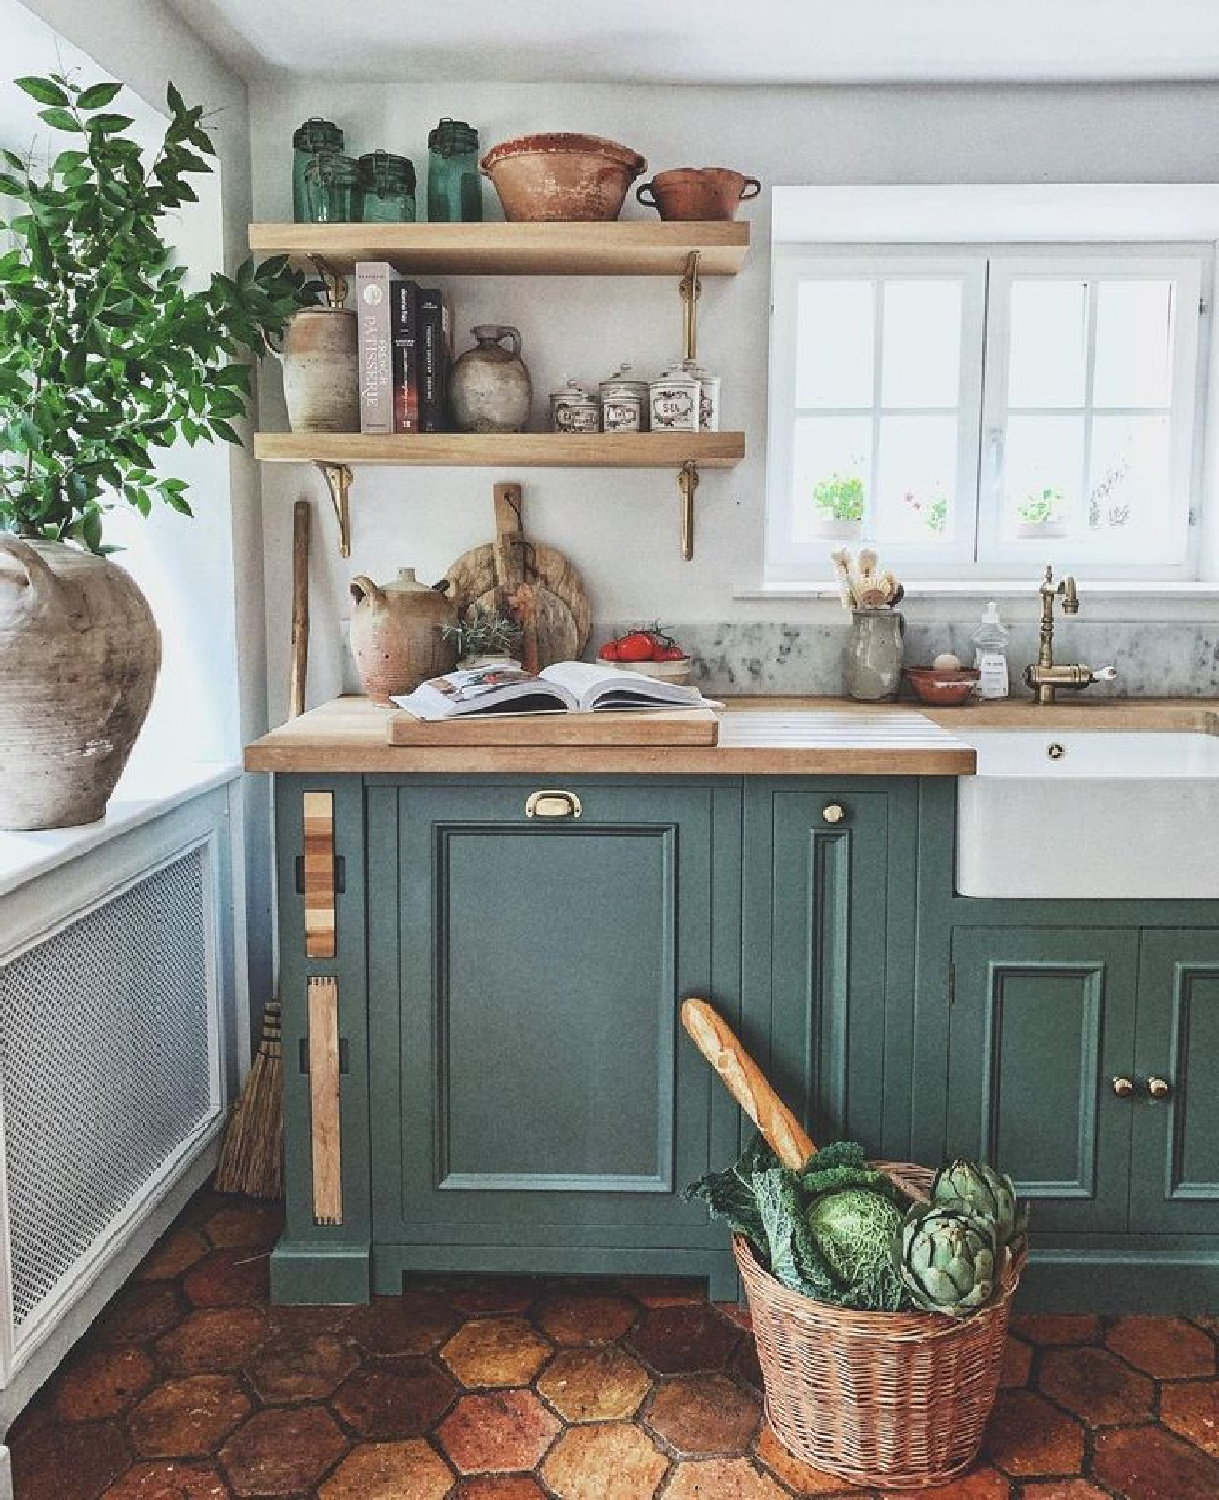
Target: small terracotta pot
[[562, 176], [698, 192]]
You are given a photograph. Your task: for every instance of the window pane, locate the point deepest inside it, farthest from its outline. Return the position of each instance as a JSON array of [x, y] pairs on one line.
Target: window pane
[[1128, 490], [1049, 343], [917, 479], [1134, 343], [835, 327], [1043, 465], [921, 363], [831, 475]]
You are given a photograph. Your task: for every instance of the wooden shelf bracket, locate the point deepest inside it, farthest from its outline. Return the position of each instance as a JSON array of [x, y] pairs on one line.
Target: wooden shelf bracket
[[338, 482], [687, 483], [691, 291]]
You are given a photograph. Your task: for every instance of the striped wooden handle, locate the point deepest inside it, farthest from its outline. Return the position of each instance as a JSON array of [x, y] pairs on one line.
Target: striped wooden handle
[[746, 1082], [320, 931], [324, 1101]]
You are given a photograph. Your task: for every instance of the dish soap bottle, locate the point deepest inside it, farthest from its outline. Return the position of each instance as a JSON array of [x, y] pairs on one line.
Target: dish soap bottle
[[990, 643]]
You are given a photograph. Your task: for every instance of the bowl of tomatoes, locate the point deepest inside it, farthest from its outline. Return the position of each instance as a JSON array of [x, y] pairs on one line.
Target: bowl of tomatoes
[[652, 652]]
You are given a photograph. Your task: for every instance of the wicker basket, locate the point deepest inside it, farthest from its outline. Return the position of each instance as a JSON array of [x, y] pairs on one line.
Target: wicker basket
[[897, 1400]]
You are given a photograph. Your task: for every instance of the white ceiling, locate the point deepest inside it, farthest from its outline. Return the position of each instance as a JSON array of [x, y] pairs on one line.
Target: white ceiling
[[716, 41]]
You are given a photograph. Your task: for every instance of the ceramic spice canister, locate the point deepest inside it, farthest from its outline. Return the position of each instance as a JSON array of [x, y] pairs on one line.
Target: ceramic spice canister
[[397, 634], [674, 401], [572, 409], [708, 396], [624, 402], [489, 386]]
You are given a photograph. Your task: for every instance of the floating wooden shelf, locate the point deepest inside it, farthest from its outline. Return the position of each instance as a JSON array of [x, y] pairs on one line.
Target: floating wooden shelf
[[522, 450], [621, 248]]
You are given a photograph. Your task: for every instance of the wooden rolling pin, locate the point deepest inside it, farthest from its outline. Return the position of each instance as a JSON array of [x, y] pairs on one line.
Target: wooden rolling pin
[[746, 1082]]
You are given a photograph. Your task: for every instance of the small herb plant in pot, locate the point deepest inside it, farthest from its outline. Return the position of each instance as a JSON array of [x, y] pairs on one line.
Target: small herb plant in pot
[[1040, 514], [105, 359], [838, 506], [483, 635]]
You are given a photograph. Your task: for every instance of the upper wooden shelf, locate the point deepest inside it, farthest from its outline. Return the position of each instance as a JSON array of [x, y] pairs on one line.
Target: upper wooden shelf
[[544, 450], [621, 248]]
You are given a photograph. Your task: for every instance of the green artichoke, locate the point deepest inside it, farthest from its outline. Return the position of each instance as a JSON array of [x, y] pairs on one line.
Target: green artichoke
[[985, 1193], [947, 1259]]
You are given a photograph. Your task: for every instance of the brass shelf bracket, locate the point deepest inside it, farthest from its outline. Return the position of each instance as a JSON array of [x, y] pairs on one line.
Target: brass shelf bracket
[[336, 285], [691, 291], [338, 482], [687, 483]]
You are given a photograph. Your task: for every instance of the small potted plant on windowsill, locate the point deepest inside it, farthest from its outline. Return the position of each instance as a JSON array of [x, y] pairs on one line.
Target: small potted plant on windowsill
[[484, 636], [105, 359], [1040, 514], [838, 507]]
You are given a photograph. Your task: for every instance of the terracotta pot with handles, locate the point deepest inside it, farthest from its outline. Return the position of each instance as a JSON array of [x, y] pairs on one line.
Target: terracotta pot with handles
[[397, 634], [697, 192], [79, 656]]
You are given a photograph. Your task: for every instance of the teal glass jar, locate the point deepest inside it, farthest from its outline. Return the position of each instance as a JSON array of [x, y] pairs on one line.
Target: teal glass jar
[[330, 182], [454, 188], [385, 189], [313, 136]]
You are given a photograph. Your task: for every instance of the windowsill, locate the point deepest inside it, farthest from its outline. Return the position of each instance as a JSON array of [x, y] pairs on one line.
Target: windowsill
[[26, 855], [992, 588]]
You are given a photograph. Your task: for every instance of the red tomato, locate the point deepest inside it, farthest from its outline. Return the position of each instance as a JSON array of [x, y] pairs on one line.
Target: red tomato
[[609, 652], [637, 646], [670, 653]]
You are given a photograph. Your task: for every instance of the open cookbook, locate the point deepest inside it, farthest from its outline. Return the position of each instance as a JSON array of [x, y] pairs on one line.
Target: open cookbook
[[565, 687]]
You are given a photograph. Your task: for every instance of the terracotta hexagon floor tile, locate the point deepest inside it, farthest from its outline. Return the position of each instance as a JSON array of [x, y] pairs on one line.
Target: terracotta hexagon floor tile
[[142, 1310], [169, 1480], [228, 1278], [498, 1432], [390, 1471], [500, 1487], [282, 1451], [78, 1461], [1192, 1410], [1147, 1463], [800, 1477], [1027, 1436], [415, 1323], [594, 1385], [496, 1351], [1168, 1348], [1096, 1386], [607, 1461], [681, 1340], [176, 1252], [214, 1340], [1064, 1489], [982, 1483], [491, 1294], [187, 1418], [394, 1398], [301, 1367], [102, 1382], [704, 1414], [664, 1291], [585, 1318], [736, 1312], [1017, 1361], [245, 1223], [721, 1479], [310, 1318], [1057, 1328]]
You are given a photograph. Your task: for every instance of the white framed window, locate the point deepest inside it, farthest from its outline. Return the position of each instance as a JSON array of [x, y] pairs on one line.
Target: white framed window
[[959, 406]]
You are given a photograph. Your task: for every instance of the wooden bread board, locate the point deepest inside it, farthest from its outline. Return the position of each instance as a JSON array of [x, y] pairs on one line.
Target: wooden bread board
[[674, 726]]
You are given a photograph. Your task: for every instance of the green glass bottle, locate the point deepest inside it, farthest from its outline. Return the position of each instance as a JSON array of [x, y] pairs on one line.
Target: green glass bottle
[[385, 189], [313, 136], [330, 180], [454, 189]]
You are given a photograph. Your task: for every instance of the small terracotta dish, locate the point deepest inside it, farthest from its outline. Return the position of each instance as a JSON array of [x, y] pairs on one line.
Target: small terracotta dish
[[686, 193], [943, 689], [562, 176]]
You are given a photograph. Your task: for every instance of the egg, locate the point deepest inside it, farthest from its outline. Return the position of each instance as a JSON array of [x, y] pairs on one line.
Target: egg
[[947, 662]]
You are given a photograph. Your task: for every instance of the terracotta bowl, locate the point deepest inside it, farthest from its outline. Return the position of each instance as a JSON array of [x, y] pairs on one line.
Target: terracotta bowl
[[944, 689], [697, 192], [562, 176]]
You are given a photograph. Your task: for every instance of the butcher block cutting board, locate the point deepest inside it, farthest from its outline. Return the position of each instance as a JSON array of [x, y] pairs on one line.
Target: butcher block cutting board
[[660, 726]]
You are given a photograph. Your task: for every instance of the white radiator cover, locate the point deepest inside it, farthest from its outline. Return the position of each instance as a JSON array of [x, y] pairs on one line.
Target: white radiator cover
[[110, 1074]]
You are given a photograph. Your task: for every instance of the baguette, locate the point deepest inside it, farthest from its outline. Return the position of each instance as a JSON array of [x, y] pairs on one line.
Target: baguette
[[746, 1082]]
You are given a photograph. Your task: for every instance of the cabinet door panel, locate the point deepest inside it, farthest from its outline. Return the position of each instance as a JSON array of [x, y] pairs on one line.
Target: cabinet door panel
[[1041, 1022], [1175, 1185]]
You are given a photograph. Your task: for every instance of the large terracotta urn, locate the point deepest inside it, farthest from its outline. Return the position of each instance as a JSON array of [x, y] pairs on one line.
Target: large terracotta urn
[[397, 634], [79, 656]]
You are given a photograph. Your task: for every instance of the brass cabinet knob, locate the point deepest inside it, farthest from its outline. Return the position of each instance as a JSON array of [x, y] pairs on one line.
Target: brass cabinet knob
[[553, 804], [834, 812], [1123, 1087], [1159, 1088]]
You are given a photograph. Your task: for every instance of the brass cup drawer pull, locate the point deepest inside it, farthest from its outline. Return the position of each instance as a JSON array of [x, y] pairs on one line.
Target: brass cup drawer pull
[[1123, 1087], [553, 804], [833, 812], [1159, 1088]]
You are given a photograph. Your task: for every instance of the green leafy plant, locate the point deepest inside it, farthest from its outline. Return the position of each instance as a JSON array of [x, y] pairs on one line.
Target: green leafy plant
[[105, 357], [483, 632], [840, 497], [1040, 506]]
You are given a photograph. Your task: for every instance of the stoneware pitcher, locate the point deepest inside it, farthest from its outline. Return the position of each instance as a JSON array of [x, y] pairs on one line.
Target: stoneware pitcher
[[873, 664], [397, 634], [320, 357], [489, 386]]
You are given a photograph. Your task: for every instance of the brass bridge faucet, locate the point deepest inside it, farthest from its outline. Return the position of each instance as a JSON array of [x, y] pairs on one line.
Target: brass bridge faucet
[[1043, 676]]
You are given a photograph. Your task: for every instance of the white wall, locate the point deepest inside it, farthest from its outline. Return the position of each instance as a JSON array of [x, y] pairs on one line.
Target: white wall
[[621, 527]]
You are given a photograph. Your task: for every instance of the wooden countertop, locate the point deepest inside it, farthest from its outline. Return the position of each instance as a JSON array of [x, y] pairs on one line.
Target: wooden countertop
[[759, 736]]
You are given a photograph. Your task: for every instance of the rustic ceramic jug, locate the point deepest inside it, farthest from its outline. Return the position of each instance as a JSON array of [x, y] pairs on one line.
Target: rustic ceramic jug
[[489, 386], [80, 652], [322, 371], [397, 634], [874, 654]]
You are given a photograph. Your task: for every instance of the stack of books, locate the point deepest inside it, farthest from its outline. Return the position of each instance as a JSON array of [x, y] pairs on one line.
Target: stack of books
[[404, 351]]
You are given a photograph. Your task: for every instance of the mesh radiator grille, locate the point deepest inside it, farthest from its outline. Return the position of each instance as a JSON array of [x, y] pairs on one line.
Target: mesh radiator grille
[[106, 1059]]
